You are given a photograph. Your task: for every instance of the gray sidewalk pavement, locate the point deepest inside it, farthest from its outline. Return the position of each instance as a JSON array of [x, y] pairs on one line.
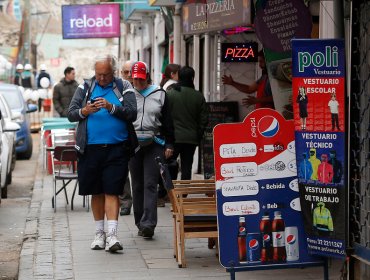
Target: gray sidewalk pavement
[[57, 246]]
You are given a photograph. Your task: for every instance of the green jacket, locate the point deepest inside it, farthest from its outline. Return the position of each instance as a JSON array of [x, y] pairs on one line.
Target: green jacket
[[190, 115], [322, 219]]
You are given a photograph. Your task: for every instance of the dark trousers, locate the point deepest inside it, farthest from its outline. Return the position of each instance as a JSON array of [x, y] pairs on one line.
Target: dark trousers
[[334, 121], [126, 198], [186, 152], [144, 172]]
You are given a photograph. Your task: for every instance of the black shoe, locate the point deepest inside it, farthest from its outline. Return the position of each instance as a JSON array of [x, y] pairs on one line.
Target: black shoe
[[140, 232], [147, 232], [161, 202], [125, 211]]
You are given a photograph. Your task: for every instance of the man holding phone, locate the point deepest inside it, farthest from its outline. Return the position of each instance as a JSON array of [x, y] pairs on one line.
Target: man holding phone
[[105, 108]]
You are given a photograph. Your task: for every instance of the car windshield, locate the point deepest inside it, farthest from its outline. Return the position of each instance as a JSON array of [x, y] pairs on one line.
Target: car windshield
[[13, 98]]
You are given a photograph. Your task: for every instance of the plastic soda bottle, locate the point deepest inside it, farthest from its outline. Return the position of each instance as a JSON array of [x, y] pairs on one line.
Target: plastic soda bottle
[[242, 240], [266, 234], [278, 238]]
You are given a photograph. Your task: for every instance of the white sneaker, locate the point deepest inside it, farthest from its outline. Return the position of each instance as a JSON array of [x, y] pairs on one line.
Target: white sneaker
[[99, 241], [112, 244]]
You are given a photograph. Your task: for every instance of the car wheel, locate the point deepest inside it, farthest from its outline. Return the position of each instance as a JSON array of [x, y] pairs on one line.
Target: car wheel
[[4, 192], [9, 177], [14, 158], [28, 153]]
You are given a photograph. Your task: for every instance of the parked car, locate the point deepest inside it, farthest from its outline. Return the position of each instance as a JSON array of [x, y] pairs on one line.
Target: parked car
[[6, 128], [10, 155], [14, 97]]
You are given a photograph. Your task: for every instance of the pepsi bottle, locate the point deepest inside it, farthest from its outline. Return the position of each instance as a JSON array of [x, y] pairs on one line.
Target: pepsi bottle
[[242, 240], [266, 234], [278, 238]]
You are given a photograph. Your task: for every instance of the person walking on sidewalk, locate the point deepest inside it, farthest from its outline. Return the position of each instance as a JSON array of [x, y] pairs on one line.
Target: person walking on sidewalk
[[126, 198], [64, 90], [190, 117], [105, 108], [154, 129]]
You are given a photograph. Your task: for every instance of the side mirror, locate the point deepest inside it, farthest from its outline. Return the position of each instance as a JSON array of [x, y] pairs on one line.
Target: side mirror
[[31, 108], [11, 127]]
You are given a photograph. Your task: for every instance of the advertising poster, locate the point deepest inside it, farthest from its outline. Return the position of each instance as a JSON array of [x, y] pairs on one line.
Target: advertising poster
[[277, 22], [259, 213], [91, 21], [319, 123]]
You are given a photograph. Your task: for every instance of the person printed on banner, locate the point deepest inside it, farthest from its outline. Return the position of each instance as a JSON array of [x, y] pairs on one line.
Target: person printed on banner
[[64, 91], [322, 220], [315, 162], [334, 110], [302, 100], [104, 107], [170, 76], [155, 132], [305, 168], [18, 74], [337, 167], [263, 98], [325, 170]]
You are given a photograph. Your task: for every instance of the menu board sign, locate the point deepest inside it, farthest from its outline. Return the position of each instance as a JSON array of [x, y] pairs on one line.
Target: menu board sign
[[218, 112], [259, 212]]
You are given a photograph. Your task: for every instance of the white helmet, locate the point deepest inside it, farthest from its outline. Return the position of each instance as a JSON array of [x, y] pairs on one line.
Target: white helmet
[[43, 67], [28, 67], [19, 67]]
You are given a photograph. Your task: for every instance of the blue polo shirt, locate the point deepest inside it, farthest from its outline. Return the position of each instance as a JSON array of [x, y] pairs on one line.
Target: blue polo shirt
[[102, 127]]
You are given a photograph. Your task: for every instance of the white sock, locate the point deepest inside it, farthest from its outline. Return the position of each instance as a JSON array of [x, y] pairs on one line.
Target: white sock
[[99, 226], [112, 226]]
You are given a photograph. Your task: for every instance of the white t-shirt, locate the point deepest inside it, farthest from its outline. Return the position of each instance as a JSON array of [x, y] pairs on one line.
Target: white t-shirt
[[333, 104]]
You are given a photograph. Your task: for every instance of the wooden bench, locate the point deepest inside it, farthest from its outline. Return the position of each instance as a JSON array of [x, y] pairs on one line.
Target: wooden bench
[[194, 213]]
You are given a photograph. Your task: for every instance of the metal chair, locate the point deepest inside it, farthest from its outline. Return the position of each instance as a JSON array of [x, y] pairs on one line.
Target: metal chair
[[64, 160]]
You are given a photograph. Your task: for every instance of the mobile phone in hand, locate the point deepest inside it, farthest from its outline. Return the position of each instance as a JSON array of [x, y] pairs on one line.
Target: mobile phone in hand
[[92, 100]]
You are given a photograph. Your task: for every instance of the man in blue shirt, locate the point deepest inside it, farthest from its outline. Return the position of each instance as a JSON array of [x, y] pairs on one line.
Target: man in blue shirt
[[105, 115]]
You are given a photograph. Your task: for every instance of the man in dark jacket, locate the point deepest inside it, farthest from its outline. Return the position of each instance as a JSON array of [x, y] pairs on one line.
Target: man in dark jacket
[[64, 90], [190, 117]]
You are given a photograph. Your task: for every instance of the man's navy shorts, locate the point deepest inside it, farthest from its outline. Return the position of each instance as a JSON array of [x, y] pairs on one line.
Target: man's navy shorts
[[103, 169]]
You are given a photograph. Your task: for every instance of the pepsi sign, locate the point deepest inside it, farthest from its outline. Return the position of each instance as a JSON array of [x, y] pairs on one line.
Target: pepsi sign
[[268, 126]]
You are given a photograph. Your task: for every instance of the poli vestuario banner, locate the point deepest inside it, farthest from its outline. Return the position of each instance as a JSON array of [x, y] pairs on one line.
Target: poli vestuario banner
[[319, 122]]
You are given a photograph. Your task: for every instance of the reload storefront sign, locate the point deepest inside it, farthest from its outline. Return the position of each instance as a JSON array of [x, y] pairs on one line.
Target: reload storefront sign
[[319, 118], [213, 15], [91, 21], [259, 212]]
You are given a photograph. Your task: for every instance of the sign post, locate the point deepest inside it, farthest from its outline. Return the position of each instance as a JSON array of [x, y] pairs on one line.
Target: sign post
[[259, 214]]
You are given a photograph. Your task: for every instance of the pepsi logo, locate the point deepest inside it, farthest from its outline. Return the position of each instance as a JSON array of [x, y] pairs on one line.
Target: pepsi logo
[[253, 244], [279, 236], [266, 238], [268, 126], [291, 239], [242, 230]]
